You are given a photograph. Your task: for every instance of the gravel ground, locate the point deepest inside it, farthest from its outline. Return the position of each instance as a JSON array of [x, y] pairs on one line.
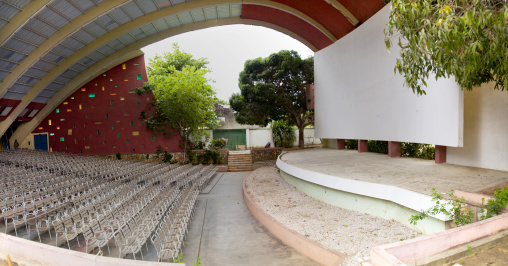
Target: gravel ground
[[348, 232]]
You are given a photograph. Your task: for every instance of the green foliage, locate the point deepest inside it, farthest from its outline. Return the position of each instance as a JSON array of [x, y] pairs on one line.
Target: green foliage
[[118, 156], [464, 39], [273, 88], [494, 205], [283, 134], [158, 151], [183, 98], [417, 150], [351, 144], [378, 146], [469, 250], [199, 145], [455, 208], [218, 143], [166, 157]]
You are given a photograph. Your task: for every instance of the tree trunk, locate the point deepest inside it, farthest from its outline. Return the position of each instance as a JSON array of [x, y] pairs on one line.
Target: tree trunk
[[301, 137]]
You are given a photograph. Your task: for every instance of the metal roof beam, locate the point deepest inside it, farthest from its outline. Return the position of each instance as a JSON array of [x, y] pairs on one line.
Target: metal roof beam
[[18, 21], [56, 38], [77, 82]]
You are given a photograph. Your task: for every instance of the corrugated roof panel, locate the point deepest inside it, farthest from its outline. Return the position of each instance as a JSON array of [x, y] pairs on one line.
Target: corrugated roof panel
[[149, 29], [78, 67], [138, 33], [11, 55], [7, 11], [160, 24], [41, 27], [40, 99], [84, 4], [35, 72], [223, 11], [95, 55], [56, 19], [31, 36], [198, 14], [3, 74], [62, 50], [13, 95], [54, 86], [236, 10], [173, 21], [44, 65], [51, 57], [86, 61], [106, 49], [210, 12], [66, 8], [73, 43], [20, 88], [175, 2], [20, 46], [126, 39], [62, 80], [107, 22], [84, 36], [163, 3], [28, 80], [147, 5], [69, 73], [18, 3], [47, 93], [7, 65], [185, 17], [95, 28], [116, 44], [120, 16], [133, 10]]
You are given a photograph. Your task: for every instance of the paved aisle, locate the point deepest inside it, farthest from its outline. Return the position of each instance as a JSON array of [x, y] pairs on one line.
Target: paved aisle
[[223, 232]]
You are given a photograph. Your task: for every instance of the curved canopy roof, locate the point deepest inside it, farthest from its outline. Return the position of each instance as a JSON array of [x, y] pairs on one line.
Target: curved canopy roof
[[49, 48]]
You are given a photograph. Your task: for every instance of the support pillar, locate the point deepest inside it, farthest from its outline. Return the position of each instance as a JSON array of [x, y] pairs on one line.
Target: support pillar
[[363, 145], [393, 149], [341, 144], [440, 154]]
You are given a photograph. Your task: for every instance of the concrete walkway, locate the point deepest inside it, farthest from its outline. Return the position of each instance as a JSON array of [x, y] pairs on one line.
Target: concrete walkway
[[223, 232]]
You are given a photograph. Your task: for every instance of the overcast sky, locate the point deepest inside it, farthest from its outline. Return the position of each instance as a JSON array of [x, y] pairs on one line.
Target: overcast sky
[[227, 48]]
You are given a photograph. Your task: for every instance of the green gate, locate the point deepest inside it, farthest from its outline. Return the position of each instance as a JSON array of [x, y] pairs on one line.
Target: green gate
[[234, 136]]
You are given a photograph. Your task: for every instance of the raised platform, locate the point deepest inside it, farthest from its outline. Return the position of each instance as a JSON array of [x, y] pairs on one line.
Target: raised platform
[[390, 188]]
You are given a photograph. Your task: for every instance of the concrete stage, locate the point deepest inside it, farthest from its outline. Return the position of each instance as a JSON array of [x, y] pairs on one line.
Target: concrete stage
[[391, 188]]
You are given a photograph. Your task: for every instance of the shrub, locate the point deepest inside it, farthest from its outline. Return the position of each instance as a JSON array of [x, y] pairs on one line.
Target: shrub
[[378, 146], [351, 144], [417, 150], [118, 156], [495, 204], [166, 157], [218, 143], [283, 134]]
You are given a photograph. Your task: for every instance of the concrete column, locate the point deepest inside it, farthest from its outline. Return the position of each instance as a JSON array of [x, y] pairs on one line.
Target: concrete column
[[393, 149], [440, 154], [362, 145], [341, 144]]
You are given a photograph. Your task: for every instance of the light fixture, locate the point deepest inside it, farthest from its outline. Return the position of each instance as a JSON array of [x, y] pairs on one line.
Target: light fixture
[[32, 113], [6, 110]]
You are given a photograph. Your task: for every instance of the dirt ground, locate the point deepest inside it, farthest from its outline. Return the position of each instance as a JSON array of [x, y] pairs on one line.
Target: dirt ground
[[496, 255]]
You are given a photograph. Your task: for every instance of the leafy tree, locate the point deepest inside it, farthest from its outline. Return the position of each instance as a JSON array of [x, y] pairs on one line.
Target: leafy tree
[[183, 98], [273, 88], [464, 38], [283, 134]]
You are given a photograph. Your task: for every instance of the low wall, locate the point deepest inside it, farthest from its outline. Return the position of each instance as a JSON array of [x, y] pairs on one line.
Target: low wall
[[26, 252], [265, 154], [401, 253], [379, 200], [152, 157], [309, 248]]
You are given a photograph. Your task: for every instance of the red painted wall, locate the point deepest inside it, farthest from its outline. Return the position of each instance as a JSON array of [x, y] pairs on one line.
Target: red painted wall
[[105, 123]]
